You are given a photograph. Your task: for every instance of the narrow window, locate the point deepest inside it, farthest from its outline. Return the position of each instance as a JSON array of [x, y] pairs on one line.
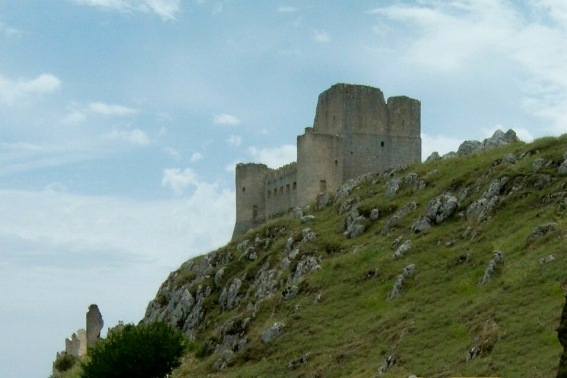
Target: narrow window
[[243, 189], [382, 144], [254, 213], [323, 186], [294, 185], [287, 188]]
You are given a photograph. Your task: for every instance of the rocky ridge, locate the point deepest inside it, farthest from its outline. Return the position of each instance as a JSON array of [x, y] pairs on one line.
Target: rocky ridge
[[252, 295]]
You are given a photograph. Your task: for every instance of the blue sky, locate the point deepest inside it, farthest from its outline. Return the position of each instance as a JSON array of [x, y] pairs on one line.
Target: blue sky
[[121, 122]]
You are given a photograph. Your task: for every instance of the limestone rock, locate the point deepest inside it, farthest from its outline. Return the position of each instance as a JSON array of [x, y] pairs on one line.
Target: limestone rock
[[546, 259], [433, 157], [510, 158], [402, 249], [272, 333], [422, 224], [562, 170], [468, 147], [374, 214], [229, 296], [323, 200], [354, 224], [393, 186], [307, 218], [491, 268], [441, 208], [306, 265], [307, 235], [390, 361], [537, 164], [541, 231], [400, 279]]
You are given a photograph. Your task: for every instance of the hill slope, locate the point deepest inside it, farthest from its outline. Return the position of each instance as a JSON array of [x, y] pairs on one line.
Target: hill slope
[[449, 267]]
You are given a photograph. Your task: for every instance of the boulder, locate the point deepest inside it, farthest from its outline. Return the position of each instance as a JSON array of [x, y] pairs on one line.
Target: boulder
[[491, 267], [272, 333], [433, 157], [402, 249], [441, 208]]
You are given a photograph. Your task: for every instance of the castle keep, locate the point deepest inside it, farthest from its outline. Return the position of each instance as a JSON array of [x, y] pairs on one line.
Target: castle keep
[[355, 132]]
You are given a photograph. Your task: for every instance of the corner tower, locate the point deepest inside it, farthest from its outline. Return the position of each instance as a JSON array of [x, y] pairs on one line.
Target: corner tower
[[250, 196]]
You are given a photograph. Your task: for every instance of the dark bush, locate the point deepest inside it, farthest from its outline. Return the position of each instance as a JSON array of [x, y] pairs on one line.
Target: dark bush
[[65, 362], [145, 351]]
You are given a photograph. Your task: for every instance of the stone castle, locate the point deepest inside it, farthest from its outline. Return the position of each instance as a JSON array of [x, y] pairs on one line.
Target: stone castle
[[355, 132]]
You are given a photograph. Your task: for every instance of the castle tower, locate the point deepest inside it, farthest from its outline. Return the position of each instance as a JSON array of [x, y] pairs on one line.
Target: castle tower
[[250, 196], [355, 132]]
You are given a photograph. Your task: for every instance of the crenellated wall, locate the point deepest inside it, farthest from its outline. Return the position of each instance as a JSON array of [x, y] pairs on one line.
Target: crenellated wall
[[355, 131]]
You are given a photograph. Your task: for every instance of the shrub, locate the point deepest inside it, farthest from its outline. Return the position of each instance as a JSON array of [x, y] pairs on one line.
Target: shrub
[[148, 350], [65, 362]]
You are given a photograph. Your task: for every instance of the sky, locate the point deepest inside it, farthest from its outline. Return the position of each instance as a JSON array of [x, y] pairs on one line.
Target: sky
[[121, 122]]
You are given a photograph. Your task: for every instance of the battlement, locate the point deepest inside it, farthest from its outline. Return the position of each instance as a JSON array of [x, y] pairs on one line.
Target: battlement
[[355, 131]]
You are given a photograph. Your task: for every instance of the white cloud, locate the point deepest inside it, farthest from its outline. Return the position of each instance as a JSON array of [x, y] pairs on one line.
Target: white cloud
[[321, 36], [108, 110], [231, 167], [79, 114], [287, 9], [196, 157], [166, 9], [172, 152], [274, 157], [12, 90], [462, 36], [9, 31], [134, 136], [226, 120], [179, 180], [235, 140]]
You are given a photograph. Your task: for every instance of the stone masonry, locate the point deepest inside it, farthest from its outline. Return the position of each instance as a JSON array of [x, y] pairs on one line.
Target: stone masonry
[[355, 132], [94, 325]]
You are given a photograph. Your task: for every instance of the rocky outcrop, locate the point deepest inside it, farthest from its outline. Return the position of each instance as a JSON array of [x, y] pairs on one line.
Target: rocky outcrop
[[499, 138], [491, 267]]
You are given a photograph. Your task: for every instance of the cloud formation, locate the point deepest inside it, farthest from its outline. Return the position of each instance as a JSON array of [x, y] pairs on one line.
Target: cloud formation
[[179, 180], [13, 90], [235, 140], [135, 136], [456, 37], [274, 157], [166, 9], [321, 36], [225, 120]]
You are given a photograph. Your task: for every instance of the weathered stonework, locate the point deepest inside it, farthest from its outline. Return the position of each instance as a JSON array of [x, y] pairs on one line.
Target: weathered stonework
[[355, 132], [94, 325]]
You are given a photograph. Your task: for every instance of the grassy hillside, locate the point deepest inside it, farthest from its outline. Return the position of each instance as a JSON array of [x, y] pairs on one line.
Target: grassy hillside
[[335, 316]]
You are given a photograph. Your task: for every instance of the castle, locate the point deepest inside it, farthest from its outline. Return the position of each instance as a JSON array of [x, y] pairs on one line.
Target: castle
[[355, 132]]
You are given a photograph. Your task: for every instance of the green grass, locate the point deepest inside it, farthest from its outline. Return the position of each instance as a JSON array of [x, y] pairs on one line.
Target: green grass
[[441, 310]]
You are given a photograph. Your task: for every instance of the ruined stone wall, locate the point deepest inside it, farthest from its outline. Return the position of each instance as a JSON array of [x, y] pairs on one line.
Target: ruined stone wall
[[355, 132], [320, 165], [345, 108], [250, 196], [281, 190]]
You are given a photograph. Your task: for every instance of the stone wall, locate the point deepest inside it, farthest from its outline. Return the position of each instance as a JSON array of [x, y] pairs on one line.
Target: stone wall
[[250, 196], [355, 132], [281, 190]]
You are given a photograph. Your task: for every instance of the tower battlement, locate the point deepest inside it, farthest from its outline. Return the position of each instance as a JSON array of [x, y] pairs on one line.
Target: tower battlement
[[355, 131]]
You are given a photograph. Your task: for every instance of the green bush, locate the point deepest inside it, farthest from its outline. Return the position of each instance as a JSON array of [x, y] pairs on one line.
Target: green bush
[[149, 350], [65, 362]]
